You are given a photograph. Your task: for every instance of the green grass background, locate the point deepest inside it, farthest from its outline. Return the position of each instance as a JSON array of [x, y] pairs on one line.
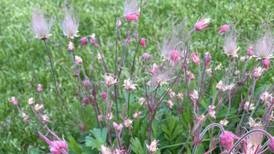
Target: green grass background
[[23, 62]]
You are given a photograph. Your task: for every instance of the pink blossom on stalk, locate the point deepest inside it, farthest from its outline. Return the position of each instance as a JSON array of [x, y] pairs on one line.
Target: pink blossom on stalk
[[207, 59], [266, 63], [227, 140], [93, 40], [230, 44], [13, 100], [174, 56], [146, 57], [190, 75], [105, 150], [55, 146], [136, 114], [143, 42], [202, 24], [70, 24], [86, 100], [195, 58], [84, 41], [104, 95], [257, 72], [131, 10], [250, 51], [263, 47], [39, 88], [117, 127], [31, 101], [152, 147], [271, 144], [211, 111], [109, 80], [40, 25], [128, 85], [118, 23], [154, 69], [78, 60], [224, 28], [86, 83], [128, 123]]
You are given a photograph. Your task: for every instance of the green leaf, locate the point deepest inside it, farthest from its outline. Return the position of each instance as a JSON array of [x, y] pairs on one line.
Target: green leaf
[[74, 146], [97, 138], [136, 146]]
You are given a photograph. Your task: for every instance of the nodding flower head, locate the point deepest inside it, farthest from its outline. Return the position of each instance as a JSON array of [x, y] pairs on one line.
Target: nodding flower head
[[263, 47], [152, 147], [104, 95], [146, 57], [110, 80], [271, 144], [13, 100], [131, 10], [227, 140], [39, 87], [55, 146], [175, 56], [266, 63], [40, 25], [70, 24], [195, 58], [202, 24], [230, 44], [128, 85], [207, 59], [224, 28], [84, 41], [78, 60], [257, 72], [105, 150], [250, 51], [117, 127], [143, 42]]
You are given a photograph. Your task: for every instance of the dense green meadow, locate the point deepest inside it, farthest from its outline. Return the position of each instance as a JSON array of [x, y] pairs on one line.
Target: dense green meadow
[[24, 63]]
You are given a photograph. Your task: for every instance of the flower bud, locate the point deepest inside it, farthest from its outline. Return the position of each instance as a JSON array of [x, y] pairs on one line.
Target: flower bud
[[202, 24], [84, 41], [13, 101], [39, 88], [227, 140], [266, 63], [143, 42], [224, 28], [104, 95]]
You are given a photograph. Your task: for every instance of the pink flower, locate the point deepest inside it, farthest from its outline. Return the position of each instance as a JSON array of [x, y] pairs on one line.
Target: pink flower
[[207, 59], [93, 41], [86, 83], [195, 58], [131, 10], [224, 28], [175, 56], [39, 88], [40, 25], [202, 24], [152, 147], [266, 63], [84, 41], [146, 57], [154, 69], [55, 146], [104, 95], [128, 85], [105, 150], [78, 60], [109, 80], [194, 95], [128, 123], [227, 140], [86, 100], [143, 42], [250, 51], [13, 101], [211, 111], [271, 144], [117, 127], [257, 72]]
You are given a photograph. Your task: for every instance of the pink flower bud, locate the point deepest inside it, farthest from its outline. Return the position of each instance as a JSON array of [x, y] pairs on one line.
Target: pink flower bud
[[195, 58], [266, 63], [146, 57], [207, 59], [154, 69], [224, 28], [175, 56], [117, 127], [202, 24], [70, 46], [271, 144], [78, 60], [84, 41], [86, 83], [132, 17], [250, 51], [104, 95], [143, 42], [86, 100], [227, 140], [13, 100], [257, 72], [39, 88]]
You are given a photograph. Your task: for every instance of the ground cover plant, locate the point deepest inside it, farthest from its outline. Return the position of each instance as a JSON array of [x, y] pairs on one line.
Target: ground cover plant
[[136, 77]]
